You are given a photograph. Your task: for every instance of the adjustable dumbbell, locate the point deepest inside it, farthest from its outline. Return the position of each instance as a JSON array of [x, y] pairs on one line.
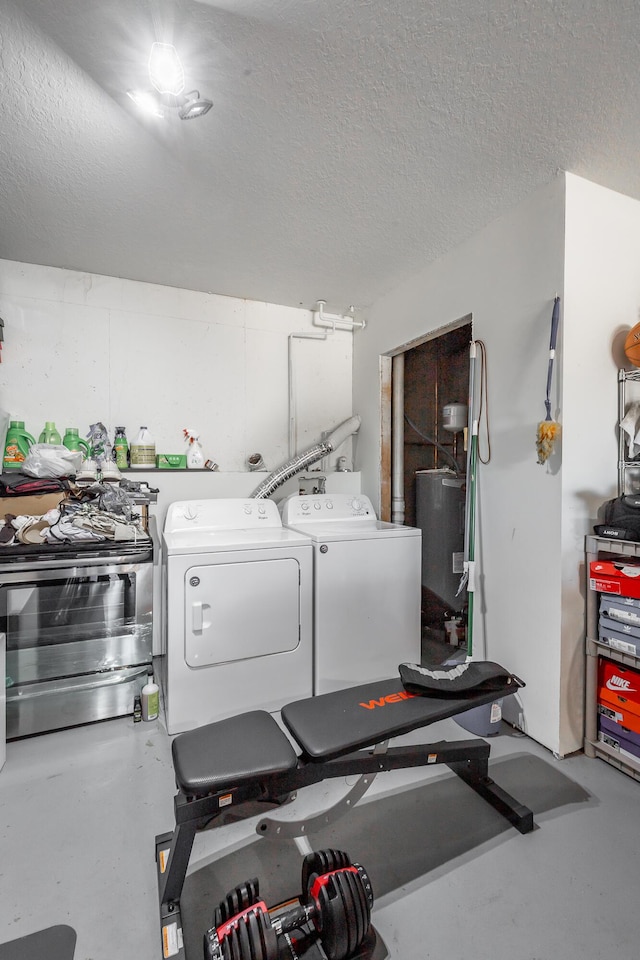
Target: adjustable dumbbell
[[336, 903], [339, 896]]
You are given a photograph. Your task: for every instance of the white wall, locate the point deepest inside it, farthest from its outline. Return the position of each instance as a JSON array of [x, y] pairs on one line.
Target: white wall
[[81, 348], [601, 303], [506, 276]]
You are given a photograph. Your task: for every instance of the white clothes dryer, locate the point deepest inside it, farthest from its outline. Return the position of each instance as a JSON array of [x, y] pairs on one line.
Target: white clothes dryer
[[366, 589], [237, 624]]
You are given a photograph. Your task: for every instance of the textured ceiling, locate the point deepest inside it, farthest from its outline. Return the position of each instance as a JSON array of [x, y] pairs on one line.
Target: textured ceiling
[[350, 143]]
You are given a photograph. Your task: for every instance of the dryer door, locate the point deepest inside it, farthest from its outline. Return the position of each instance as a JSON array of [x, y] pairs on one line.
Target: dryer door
[[234, 611]]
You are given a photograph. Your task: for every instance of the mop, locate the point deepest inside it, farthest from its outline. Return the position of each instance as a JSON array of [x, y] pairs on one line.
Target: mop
[[549, 429]]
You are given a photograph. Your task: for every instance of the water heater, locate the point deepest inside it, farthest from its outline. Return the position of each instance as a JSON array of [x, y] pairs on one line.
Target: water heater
[[440, 506]]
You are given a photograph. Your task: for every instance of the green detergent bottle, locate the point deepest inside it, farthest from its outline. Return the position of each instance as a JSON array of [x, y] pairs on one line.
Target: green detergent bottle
[[72, 441], [49, 434], [16, 445]]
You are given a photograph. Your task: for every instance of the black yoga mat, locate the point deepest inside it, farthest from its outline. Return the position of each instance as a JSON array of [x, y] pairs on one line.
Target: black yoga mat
[[54, 943]]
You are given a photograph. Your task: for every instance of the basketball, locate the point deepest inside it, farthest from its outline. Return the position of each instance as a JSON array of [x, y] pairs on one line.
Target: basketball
[[632, 345]]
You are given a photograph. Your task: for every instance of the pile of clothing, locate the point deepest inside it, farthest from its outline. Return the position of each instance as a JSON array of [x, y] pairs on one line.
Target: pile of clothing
[[97, 513]]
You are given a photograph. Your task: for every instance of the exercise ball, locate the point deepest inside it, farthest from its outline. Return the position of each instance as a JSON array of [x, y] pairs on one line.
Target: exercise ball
[[632, 346]]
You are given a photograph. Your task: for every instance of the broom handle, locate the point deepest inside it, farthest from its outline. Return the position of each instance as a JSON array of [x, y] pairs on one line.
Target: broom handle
[[471, 525], [555, 317], [470, 415]]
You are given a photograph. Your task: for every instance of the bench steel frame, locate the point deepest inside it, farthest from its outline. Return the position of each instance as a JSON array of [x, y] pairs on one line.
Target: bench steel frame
[[469, 759]]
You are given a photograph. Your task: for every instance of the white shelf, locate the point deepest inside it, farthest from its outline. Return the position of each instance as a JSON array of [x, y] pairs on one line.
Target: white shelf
[[597, 649], [628, 765]]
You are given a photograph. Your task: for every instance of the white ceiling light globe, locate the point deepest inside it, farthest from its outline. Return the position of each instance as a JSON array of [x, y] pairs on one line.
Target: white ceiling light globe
[[165, 69]]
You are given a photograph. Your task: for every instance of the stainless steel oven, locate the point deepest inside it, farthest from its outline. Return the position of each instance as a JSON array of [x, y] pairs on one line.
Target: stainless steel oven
[[78, 621]]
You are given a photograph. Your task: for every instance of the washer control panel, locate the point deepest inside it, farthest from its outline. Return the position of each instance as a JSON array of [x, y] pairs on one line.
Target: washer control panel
[[318, 507]]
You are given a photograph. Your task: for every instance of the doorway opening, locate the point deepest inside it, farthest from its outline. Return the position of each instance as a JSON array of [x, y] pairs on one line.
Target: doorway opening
[[425, 386]]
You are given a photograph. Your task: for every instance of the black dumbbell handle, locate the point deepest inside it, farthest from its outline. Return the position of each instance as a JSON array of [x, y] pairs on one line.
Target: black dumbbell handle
[[292, 916]]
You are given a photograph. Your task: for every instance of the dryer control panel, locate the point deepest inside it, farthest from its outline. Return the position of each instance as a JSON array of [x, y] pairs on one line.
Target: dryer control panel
[[327, 506], [221, 514]]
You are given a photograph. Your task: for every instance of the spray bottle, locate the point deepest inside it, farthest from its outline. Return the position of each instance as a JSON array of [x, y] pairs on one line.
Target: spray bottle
[[195, 456]]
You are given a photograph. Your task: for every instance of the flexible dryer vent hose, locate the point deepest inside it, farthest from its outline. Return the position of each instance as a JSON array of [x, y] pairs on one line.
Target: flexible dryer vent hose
[[305, 459]]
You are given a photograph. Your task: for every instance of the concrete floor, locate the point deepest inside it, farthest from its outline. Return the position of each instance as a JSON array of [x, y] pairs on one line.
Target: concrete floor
[[79, 811]]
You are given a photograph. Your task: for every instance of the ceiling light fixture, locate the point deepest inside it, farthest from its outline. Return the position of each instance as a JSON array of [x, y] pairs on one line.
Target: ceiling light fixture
[[167, 76], [165, 69], [194, 106], [148, 101]]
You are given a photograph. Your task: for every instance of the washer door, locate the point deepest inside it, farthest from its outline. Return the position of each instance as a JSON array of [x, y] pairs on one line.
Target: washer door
[[234, 611]]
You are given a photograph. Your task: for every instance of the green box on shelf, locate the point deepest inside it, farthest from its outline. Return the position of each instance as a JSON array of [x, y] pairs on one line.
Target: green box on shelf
[[171, 461]]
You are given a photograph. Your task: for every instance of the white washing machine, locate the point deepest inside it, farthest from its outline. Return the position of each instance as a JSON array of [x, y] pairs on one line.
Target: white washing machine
[[366, 589], [237, 624]]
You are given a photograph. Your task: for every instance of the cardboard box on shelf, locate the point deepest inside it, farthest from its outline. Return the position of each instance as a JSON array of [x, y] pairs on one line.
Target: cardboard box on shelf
[[30, 506]]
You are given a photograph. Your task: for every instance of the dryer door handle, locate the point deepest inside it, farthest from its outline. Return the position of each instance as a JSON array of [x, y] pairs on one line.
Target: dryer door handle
[[198, 622]]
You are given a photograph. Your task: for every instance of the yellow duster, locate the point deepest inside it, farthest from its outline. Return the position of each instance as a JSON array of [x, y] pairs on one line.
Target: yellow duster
[[549, 429]]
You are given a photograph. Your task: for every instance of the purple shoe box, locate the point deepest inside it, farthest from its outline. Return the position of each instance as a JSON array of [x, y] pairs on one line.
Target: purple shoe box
[[618, 737]]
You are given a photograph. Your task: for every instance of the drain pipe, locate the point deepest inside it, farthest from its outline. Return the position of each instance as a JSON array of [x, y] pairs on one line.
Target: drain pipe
[[397, 439], [336, 321], [292, 392], [306, 458], [330, 321]]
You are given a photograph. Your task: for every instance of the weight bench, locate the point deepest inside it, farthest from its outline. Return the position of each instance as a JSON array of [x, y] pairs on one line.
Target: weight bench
[[227, 765]]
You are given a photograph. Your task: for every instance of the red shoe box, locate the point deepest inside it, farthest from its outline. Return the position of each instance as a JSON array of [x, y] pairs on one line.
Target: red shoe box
[[619, 693], [616, 577]]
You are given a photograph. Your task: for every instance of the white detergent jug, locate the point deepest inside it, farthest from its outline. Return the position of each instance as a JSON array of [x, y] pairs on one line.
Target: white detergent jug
[[143, 451]]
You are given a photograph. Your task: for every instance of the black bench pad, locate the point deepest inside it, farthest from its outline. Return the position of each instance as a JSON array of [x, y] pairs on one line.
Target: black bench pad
[[228, 752], [251, 747], [335, 724]]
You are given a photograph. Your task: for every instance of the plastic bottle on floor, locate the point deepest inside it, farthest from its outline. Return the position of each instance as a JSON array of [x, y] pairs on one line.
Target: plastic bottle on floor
[[150, 696]]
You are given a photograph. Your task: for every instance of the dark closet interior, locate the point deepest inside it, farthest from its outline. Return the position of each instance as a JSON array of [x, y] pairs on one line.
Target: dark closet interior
[[436, 374]]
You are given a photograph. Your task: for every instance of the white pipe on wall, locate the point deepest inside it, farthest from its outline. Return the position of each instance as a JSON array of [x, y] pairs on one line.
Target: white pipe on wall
[[397, 439], [336, 321], [293, 440]]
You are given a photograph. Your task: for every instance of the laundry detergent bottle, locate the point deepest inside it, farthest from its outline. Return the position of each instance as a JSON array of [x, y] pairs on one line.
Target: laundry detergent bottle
[[72, 441], [49, 434], [143, 451], [121, 449], [16, 445]]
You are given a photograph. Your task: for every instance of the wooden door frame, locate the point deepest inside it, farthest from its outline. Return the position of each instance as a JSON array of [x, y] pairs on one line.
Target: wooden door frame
[[386, 391]]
